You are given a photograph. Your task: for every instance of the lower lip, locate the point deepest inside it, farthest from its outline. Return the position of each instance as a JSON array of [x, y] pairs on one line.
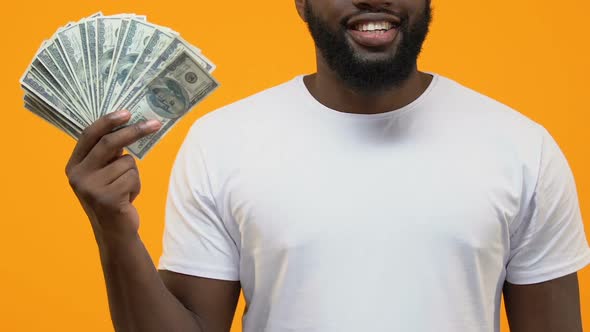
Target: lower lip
[[373, 38]]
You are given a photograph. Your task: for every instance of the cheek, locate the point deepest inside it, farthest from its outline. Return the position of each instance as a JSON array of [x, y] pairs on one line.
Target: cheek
[[412, 9], [331, 11], [417, 9]]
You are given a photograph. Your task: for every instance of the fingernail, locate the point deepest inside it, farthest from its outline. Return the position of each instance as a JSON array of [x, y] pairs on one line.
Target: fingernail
[[152, 124], [119, 114]]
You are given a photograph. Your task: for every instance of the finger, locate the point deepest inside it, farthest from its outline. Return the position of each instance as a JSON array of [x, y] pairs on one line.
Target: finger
[[109, 145], [92, 134], [115, 169], [129, 183], [117, 155]]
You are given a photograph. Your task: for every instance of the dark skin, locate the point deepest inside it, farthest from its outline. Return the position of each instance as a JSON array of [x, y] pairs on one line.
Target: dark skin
[[144, 299], [553, 305], [329, 89], [140, 297]]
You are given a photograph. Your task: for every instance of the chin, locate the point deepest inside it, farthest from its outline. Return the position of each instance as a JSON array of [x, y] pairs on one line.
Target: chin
[[365, 54], [374, 57]]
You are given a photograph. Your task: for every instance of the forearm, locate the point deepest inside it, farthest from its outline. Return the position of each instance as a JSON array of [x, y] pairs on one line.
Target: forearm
[[138, 299], [106, 183]]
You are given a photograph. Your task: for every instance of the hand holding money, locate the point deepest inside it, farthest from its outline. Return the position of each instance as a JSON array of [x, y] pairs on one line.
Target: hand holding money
[[105, 181], [102, 64]]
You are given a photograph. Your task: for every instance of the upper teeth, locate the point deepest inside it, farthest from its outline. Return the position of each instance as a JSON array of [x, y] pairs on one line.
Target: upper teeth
[[372, 26]]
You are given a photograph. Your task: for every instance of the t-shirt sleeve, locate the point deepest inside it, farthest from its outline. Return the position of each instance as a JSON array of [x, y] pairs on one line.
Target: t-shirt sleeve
[[196, 241], [549, 241]]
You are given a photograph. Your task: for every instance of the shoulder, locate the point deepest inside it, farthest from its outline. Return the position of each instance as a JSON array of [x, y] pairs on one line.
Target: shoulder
[[255, 108], [481, 105], [248, 121], [490, 130], [486, 115]]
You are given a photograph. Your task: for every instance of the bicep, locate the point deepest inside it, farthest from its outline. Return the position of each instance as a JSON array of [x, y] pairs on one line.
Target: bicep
[[552, 305], [213, 301]]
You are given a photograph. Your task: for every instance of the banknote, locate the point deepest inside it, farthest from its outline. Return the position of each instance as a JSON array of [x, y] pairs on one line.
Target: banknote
[[41, 80], [71, 42], [176, 89], [136, 38], [159, 40], [107, 31], [54, 71], [103, 63], [177, 46], [33, 85], [41, 109]]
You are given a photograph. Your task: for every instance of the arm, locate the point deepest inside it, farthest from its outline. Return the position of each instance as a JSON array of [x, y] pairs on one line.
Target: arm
[[106, 184], [214, 300], [544, 307]]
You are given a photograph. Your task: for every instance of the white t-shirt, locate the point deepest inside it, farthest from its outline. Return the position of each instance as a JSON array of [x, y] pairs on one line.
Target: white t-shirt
[[409, 220]]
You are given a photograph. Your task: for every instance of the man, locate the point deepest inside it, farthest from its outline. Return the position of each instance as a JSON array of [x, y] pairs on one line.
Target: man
[[368, 196]]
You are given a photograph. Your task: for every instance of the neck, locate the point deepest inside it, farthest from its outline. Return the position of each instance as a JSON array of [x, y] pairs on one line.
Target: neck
[[331, 91]]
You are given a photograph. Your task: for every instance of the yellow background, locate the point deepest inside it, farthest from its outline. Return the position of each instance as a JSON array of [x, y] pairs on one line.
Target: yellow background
[[531, 54]]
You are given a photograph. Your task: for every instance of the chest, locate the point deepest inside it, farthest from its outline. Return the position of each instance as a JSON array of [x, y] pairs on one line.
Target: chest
[[349, 201]]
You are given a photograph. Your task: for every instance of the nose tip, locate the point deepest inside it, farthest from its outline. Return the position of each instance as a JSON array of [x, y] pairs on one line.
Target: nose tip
[[371, 4]]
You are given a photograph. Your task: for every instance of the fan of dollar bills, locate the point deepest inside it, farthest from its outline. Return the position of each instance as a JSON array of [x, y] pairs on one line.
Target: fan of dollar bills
[[106, 63]]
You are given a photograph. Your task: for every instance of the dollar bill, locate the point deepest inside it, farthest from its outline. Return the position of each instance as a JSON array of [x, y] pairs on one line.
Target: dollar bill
[[55, 72], [70, 40], [61, 111], [102, 63], [91, 40], [39, 108], [177, 46], [86, 64], [158, 42], [44, 77], [181, 85], [137, 36], [107, 30], [41, 77], [59, 62], [34, 85]]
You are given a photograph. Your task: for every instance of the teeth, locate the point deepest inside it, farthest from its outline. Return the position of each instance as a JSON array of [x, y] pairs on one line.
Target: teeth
[[374, 26]]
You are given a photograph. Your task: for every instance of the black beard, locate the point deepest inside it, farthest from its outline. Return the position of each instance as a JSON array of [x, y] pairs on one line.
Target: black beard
[[363, 75]]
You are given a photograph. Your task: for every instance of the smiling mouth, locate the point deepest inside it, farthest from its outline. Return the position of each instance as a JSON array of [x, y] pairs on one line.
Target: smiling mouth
[[376, 27], [374, 34]]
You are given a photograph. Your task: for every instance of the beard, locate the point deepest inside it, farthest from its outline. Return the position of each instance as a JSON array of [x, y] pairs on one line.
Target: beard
[[364, 75]]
